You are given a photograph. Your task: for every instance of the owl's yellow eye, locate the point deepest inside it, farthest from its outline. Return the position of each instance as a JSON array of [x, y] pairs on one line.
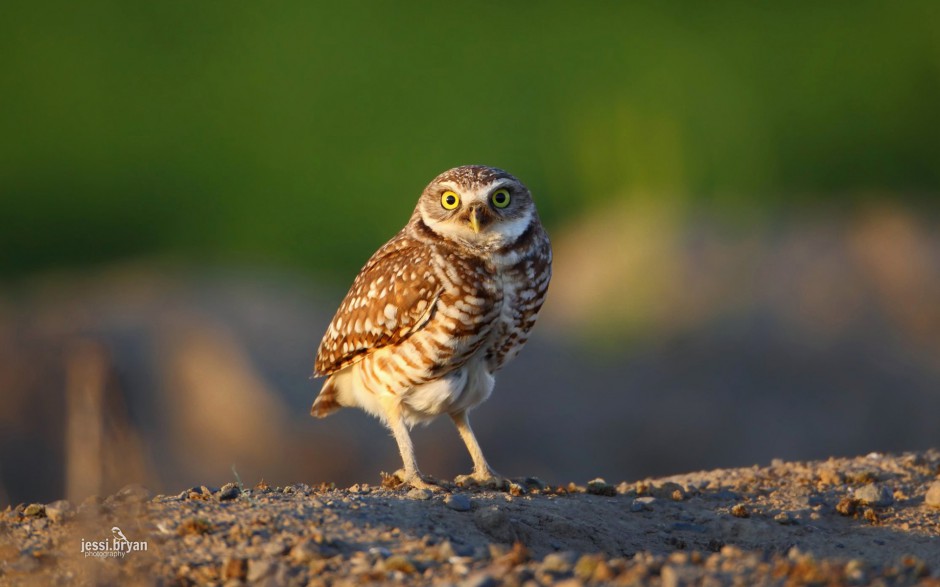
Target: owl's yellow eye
[[450, 200], [501, 198]]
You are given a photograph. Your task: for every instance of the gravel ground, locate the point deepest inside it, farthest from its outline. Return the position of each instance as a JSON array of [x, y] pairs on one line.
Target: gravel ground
[[867, 520]]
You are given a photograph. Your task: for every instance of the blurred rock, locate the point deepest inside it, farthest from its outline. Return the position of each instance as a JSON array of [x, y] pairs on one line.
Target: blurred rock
[[874, 494], [458, 502], [740, 511], [305, 551], [259, 569], [59, 511], [419, 494], [932, 498], [641, 504], [235, 568], [229, 491], [600, 487], [559, 562]]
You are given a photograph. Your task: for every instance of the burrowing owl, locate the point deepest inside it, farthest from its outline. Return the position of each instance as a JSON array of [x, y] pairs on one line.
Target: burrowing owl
[[439, 309]]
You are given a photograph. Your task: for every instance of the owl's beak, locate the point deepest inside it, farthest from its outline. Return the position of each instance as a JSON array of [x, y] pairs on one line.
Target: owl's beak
[[476, 217]]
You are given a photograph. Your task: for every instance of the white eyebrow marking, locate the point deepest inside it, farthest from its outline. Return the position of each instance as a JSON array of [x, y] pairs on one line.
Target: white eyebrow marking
[[451, 186], [497, 184]]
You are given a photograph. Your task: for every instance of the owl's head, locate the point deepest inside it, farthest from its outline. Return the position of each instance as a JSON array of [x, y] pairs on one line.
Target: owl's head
[[477, 206]]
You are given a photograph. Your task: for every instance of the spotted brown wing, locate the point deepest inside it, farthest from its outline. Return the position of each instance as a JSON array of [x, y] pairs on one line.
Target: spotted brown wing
[[392, 297]]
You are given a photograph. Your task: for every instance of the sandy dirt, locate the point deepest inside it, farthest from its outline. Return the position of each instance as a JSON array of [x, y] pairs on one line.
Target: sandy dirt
[[868, 520]]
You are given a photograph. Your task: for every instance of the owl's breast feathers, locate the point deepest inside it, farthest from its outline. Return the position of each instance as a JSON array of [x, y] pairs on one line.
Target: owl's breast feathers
[[420, 309], [525, 277]]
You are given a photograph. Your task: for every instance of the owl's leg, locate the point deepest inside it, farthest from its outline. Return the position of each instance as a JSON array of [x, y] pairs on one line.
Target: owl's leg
[[482, 472], [410, 475]]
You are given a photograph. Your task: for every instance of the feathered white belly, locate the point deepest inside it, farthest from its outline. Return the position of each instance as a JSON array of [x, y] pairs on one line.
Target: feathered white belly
[[457, 391]]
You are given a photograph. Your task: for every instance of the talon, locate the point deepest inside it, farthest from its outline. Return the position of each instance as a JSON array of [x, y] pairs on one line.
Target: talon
[[464, 480], [418, 483], [415, 480]]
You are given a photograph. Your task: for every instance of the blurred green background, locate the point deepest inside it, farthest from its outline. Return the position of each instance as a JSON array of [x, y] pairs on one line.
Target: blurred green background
[[300, 134]]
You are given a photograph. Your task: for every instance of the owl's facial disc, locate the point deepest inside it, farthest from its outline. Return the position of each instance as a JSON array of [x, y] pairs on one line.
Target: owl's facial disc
[[468, 212], [481, 207]]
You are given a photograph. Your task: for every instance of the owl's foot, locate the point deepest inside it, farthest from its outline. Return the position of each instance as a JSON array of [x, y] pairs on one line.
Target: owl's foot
[[401, 479]]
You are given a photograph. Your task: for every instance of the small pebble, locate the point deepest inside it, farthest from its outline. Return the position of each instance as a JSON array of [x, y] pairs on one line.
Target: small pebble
[[234, 568], [933, 495], [830, 477], [559, 562], [847, 506], [35, 510], [229, 491], [419, 494], [642, 504], [668, 490], [306, 551], [458, 502], [600, 487], [625, 488], [874, 494], [302, 488], [855, 570], [587, 566], [380, 551], [739, 511], [259, 569], [399, 563], [669, 576]]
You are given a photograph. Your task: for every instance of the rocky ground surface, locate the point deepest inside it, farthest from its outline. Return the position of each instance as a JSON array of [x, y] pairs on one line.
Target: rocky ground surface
[[867, 520]]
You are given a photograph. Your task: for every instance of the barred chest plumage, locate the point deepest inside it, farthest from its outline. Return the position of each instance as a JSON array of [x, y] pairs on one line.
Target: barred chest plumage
[[486, 306], [522, 273]]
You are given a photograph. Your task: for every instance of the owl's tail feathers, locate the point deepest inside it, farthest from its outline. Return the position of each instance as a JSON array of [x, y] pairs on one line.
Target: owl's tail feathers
[[327, 402]]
